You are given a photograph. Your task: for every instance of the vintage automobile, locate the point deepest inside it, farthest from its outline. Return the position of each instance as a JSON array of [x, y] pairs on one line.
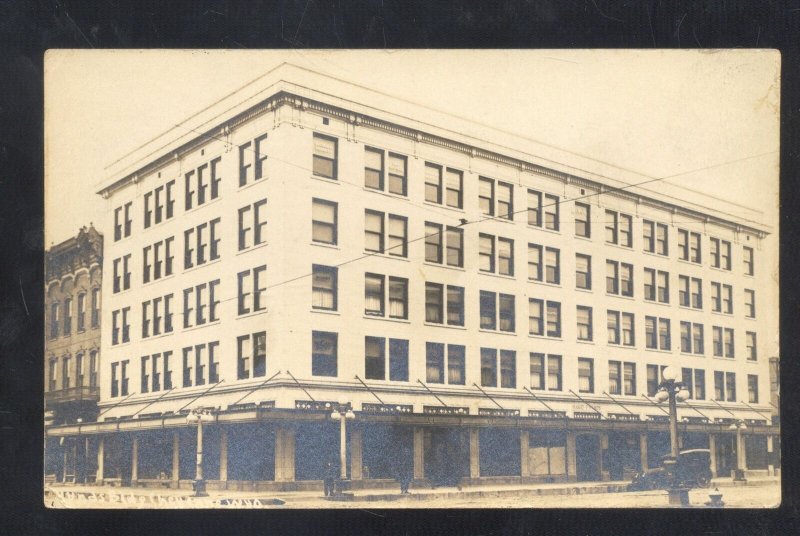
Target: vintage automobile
[[693, 470]]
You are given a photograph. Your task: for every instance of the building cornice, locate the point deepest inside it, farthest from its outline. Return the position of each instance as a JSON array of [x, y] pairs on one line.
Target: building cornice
[[286, 98]]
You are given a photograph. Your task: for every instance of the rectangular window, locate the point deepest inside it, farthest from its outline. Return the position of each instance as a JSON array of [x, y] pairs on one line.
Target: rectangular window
[[730, 386], [435, 305], [752, 388], [114, 380], [618, 228], [375, 296], [373, 231], [583, 226], [690, 292], [126, 328], [495, 198], [535, 316], [455, 247], [433, 242], [433, 184], [535, 265], [496, 254], [649, 236], [583, 271], [553, 319], [324, 353], [325, 156], [615, 377], [691, 338], [124, 377], [551, 211], [689, 246], [720, 253], [324, 221], [122, 221], [584, 323], [187, 366], [750, 303], [65, 373], [488, 310], [728, 342], [203, 238], [508, 369], [198, 182], [537, 371], [716, 338], [748, 260], [585, 375], [251, 347], [324, 287], [67, 316], [114, 327], [629, 379], [650, 332], [456, 364], [373, 168], [398, 165], [374, 358], [454, 188], [716, 297], [82, 311], [656, 285], [534, 208], [552, 266], [252, 156], [507, 313], [657, 333], [699, 384], [251, 289], [612, 320], [628, 329], [619, 278], [752, 353], [144, 376], [488, 367], [95, 307], [434, 362], [252, 221], [379, 239], [625, 279], [434, 245], [398, 360], [653, 379]]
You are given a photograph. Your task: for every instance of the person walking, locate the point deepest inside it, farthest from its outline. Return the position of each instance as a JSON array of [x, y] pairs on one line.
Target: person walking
[[330, 478]]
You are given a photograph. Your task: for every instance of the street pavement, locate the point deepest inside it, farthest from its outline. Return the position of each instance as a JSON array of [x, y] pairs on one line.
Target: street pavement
[[762, 493]]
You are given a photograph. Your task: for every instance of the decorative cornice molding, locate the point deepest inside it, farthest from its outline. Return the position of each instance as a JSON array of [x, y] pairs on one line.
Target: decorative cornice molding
[[283, 97]]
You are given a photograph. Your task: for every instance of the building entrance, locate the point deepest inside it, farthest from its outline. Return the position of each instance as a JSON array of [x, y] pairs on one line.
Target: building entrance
[[446, 455], [587, 447], [726, 454]]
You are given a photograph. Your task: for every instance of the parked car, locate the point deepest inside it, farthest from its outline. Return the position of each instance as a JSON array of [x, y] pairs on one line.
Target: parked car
[[693, 470]]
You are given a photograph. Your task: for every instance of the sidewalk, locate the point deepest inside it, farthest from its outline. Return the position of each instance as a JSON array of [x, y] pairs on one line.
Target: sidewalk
[[539, 495]]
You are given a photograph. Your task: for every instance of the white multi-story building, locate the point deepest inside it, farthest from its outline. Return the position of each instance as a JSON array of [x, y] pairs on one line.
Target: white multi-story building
[[486, 306]]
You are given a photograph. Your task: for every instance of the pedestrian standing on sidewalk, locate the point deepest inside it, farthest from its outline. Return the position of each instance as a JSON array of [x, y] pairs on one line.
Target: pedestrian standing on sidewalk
[[406, 474], [329, 478]]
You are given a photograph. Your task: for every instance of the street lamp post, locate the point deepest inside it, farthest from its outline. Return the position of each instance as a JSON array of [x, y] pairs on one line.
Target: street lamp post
[[672, 390], [739, 426], [343, 413], [197, 416]]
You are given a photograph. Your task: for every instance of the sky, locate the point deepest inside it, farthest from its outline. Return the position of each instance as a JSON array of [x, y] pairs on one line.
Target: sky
[[659, 113], [708, 119]]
